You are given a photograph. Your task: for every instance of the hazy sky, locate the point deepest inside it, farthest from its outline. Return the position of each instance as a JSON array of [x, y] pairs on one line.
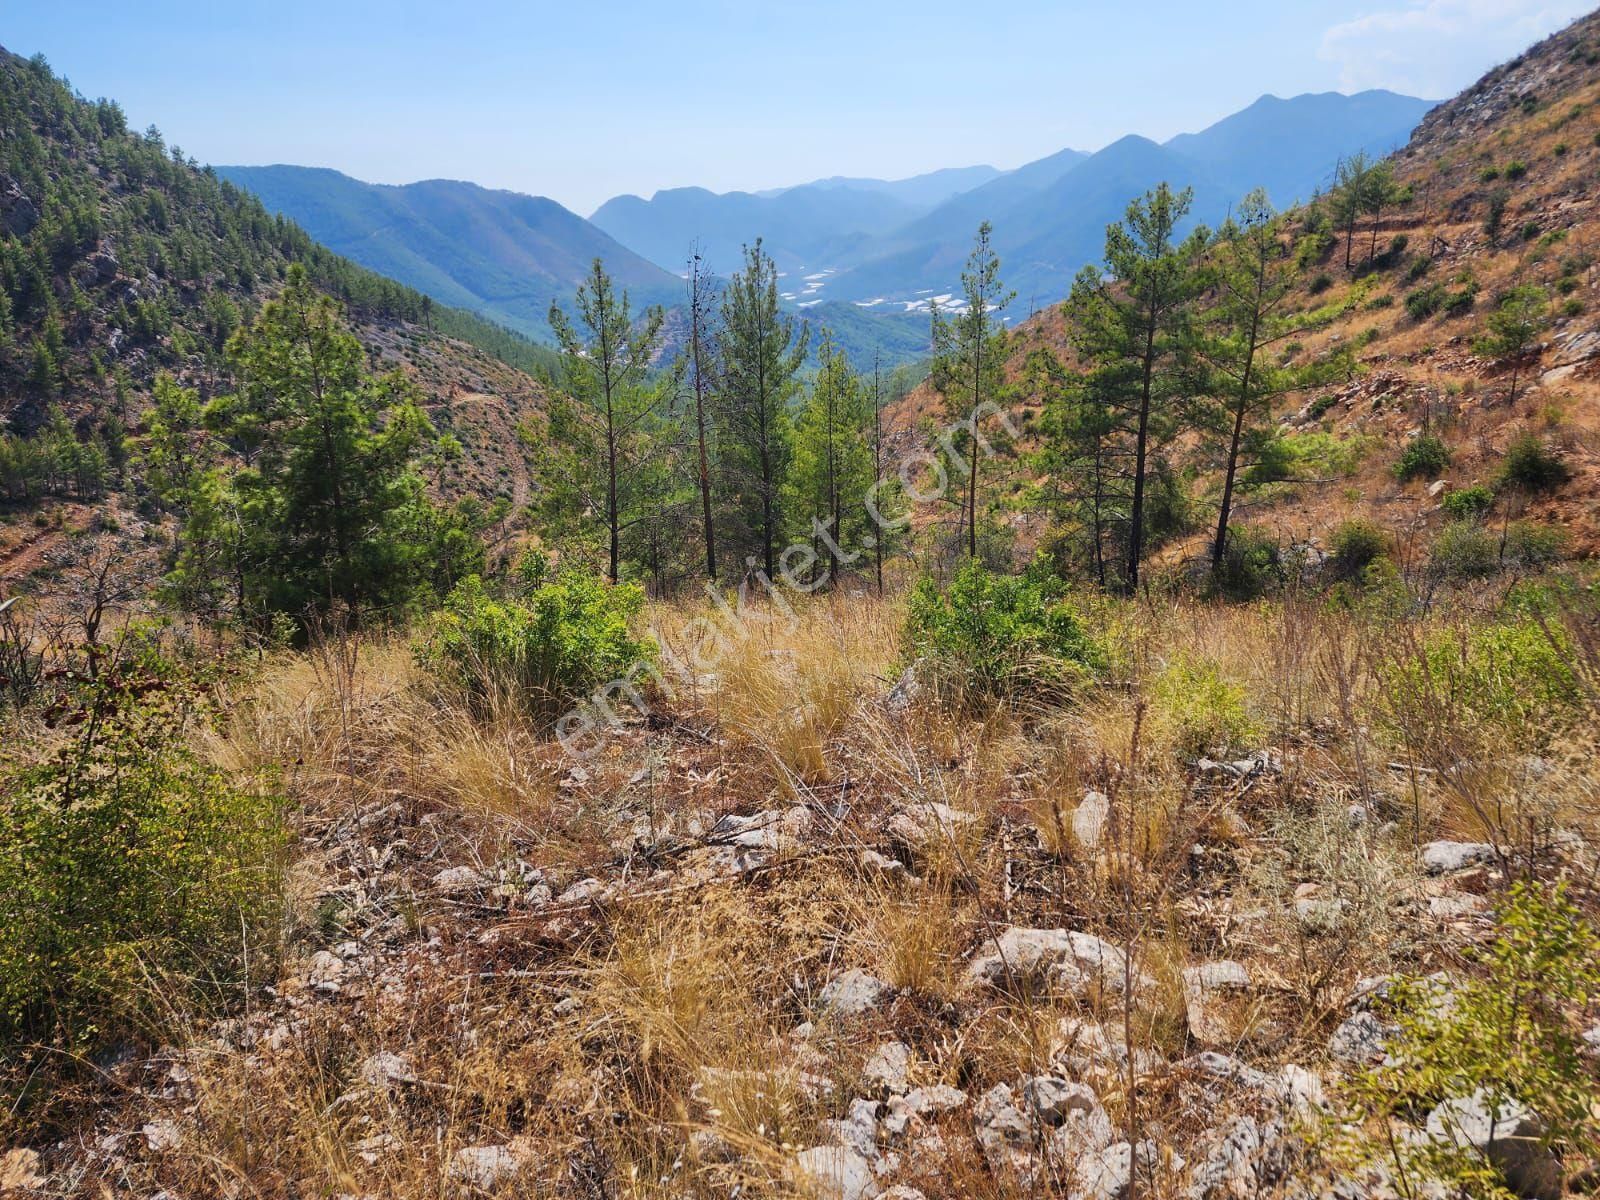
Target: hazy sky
[[582, 100]]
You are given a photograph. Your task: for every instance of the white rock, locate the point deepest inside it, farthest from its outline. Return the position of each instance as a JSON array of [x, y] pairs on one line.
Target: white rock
[[1104, 1174], [1200, 984], [887, 1068], [458, 881], [837, 1173], [853, 993], [1004, 1132], [485, 1167], [1508, 1134], [1063, 958], [920, 823], [1456, 907], [1089, 820], [1360, 1039], [1050, 1098], [1443, 858]]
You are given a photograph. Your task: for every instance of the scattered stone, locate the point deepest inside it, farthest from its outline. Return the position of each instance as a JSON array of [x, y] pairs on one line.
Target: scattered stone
[[888, 1067], [922, 823], [1240, 1164], [769, 830], [901, 1192], [853, 993], [384, 1070], [1201, 985], [1051, 1098], [18, 214], [837, 1173], [161, 1136], [917, 1103], [1089, 820], [1446, 858], [1507, 1134], [1063, 958], [1360, 1039], [1591, 1036], [459, 881], [1262, 762], [1319, 915], [485, 1167]]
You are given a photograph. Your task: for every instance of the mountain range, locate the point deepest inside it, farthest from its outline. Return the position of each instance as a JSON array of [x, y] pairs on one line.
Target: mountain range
[[502, 254], [880, 246]]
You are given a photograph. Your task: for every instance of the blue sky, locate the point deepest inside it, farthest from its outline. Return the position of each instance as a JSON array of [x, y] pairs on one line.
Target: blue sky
[[583, 100]]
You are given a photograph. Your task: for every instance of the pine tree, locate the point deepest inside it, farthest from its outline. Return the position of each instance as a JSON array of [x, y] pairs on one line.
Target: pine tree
[[699, 364], [832, 470], [600, 428], [1129, 320], [1252, 274], [760, 355], [1514, 328], [968, 359], [331, 507]]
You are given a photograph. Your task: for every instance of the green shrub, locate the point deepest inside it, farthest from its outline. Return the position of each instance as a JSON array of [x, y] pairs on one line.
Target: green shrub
[[541, 650], [1418, 268], [1516, 169], [1459, 303], [1320, 283], [1424, 302], [1572, 307], [991, 635], [1503, 1034], [1533, 544], [1515, 677], [1320, 406], [1468, 504], [1489, 174], [1252, 563], [1425, 455], [130, 866], [1199, 710], [1356, 544], [1464, 550], [1533, 466]]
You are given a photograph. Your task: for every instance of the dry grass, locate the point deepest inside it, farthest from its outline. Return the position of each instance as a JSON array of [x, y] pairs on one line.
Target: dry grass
[[667, 1038]]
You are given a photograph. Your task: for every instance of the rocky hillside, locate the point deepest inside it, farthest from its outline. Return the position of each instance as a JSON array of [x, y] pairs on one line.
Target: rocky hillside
[[1496, 188], [120, 259]]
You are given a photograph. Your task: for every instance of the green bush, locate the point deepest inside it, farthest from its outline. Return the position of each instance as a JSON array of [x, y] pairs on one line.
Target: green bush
[[1464, 550], [129, 868], [1320, 406], [1503, 1034], [1424, 302], [1425, 455], [1516, 169], [1532, 544], [1252, 563], [1533, 466], [1468, 504], [1199, 710], [1515, 677], [992, 635], [1357, 544], [540, 650]]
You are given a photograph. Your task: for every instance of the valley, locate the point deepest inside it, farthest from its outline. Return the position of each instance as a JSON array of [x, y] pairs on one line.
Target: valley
[[1079, 681]]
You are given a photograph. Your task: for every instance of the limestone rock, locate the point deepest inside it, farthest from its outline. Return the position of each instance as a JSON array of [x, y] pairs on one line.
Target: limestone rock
[[1507, 1134], [853, 993], [1062, 958], [1445, 858], [888, 1067], [1089, 819], [837, 1173], [484, 1167]]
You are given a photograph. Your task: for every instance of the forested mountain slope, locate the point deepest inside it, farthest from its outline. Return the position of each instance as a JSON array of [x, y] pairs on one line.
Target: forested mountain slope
[[1462, 302], [120, 259], [504, 255]]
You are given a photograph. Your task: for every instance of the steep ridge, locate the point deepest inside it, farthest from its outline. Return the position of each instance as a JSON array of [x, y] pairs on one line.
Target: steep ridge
[[119, 260], [1049, 216], [1525, 140], [498, 253]]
